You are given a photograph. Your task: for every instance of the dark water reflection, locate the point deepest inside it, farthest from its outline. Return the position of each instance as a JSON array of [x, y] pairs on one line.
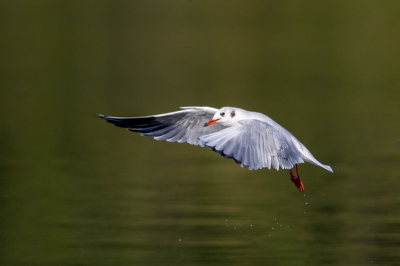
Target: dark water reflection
[[77, 191]]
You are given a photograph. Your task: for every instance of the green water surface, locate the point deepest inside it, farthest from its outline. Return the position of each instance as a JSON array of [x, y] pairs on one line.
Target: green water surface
[[78, 191]]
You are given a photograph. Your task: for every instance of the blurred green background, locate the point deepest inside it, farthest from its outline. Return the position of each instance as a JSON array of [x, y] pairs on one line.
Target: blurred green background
[[77, 191]]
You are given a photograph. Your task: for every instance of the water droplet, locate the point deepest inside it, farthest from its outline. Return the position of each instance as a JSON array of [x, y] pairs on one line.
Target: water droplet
[[304, 212], [272, 228], [306, 202], [179, 239], [288, 226], [226, 225], [234, 228], [251, 225], [226, 220], [275, 218], [304, 195], [372, 261], [322, 194]]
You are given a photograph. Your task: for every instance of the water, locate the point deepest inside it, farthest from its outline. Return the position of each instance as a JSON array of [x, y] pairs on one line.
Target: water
[[78, 191]]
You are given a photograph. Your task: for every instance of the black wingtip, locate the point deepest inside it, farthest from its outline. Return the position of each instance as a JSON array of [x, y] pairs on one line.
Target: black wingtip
[[108, 119], [140, 123]]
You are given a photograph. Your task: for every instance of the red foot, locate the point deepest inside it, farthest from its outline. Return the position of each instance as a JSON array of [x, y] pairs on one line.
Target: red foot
[[296, 180]]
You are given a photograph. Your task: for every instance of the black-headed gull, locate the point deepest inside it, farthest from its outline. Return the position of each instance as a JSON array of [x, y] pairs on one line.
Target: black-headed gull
[[251, 139]]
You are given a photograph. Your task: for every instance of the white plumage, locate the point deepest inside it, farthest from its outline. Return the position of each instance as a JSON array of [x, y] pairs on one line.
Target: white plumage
[[252, 139]]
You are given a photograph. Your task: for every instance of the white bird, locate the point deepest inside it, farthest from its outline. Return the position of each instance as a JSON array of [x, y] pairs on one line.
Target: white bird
[[251, 139]]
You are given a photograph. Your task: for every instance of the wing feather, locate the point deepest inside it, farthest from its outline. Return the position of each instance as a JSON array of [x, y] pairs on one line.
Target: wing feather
[[186, 125], [255, 144]]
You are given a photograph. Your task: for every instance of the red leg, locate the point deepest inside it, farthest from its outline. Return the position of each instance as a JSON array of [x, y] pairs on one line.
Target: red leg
[[296, 180]]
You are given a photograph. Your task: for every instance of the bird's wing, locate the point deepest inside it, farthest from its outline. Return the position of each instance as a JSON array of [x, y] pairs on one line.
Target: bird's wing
[[255, 144], [186, 125]]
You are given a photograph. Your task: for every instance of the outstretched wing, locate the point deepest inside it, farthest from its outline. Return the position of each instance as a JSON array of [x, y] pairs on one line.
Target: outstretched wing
[[255, 144], [182, 126]]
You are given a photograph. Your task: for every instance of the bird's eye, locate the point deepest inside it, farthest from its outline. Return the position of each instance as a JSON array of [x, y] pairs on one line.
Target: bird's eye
[[222, 114]]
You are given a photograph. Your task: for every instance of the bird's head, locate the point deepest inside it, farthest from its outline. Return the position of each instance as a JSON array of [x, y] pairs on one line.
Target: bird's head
[[227, 116]]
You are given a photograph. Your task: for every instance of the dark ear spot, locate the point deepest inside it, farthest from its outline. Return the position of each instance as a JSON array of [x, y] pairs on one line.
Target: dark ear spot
[[233, 113]]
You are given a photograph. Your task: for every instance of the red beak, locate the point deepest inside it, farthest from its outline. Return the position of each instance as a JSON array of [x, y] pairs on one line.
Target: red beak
[[210, 122]]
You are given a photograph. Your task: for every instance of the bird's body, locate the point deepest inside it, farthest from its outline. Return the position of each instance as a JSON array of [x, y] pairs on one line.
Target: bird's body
[[252, 139]]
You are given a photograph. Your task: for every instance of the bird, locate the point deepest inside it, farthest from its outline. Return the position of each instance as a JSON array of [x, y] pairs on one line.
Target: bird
[[251, 139]]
